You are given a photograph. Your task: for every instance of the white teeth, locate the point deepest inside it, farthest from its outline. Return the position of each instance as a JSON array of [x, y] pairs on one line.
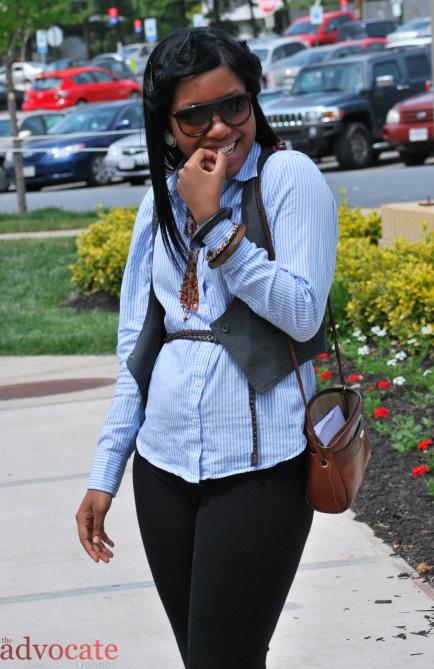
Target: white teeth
[[226, 149]]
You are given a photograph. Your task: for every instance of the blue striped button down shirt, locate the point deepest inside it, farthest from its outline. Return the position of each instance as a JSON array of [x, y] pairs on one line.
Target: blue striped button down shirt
[[197, 422]]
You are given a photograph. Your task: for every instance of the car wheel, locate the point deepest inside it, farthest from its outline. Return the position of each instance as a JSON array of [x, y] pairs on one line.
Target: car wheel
[[81, 102], [411, 159], [33, 187], [4, 182], [97, 172], [353, 148], [134, 95]]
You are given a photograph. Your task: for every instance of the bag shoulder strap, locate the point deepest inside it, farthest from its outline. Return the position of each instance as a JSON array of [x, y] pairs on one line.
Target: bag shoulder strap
[[261, 161]]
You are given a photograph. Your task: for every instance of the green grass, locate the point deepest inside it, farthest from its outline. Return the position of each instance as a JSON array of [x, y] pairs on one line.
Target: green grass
[[50, 218], [35, 280]]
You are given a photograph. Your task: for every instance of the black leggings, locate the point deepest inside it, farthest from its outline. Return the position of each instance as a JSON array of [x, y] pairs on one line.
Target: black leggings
[[223, 554]]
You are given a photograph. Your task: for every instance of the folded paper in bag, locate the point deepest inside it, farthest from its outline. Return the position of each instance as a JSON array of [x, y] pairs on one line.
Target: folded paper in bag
[[330, 425]]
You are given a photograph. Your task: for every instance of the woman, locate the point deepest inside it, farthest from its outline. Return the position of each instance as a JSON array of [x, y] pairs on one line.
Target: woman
[[223, 527]]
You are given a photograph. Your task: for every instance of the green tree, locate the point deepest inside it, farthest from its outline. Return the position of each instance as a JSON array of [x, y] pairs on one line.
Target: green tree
[[19, 20]]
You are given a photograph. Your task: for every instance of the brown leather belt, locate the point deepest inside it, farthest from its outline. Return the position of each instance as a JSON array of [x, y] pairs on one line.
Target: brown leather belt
[[207, 335]]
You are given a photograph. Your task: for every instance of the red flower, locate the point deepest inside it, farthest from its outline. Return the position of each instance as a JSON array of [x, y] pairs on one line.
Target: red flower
[[323, 355], [326, 375], [423, 445], [368, 388], [316, 369], [417, 471], [383, 384], [354, 377], [381, 412]]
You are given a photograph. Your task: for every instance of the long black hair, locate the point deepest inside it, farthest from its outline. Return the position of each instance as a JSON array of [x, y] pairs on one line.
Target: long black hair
[[186, 52]]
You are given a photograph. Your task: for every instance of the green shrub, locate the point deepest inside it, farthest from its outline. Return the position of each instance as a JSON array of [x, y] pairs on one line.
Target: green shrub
[[102, 252]]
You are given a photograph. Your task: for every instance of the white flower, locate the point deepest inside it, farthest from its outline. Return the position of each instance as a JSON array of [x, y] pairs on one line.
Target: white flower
[[375, 329], [357, 333], [427, 371], [361, 338], [426, 329], [413, 340], [363, 350], [398, 380], [392, 363], [381, 333], [401, 355]]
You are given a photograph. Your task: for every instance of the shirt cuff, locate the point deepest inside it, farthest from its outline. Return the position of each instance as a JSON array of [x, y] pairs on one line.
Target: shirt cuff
[[218, 234], [107, 472]]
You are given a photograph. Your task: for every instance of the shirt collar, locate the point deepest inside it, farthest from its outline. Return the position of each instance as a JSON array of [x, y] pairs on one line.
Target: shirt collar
[[247, 171]]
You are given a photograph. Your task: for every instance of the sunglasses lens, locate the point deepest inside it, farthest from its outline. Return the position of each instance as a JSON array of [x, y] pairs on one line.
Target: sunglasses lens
[[197, 120], [194, 121], [235, 110]]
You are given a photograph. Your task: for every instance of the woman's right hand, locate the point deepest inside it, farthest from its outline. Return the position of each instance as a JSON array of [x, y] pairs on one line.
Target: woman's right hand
[[90, 521]]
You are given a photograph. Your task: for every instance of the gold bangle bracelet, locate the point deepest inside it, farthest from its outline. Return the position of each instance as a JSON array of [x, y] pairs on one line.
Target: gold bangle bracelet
[[230, 248]]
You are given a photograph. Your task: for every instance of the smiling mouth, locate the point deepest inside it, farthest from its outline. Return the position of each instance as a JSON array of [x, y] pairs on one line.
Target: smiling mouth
[[228, 149]]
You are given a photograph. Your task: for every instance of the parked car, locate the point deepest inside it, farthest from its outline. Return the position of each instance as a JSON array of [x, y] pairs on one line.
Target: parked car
[[19, 97], [76, 86], [270, 95], [29, 123], [114, 63], [338, 108], [412, 42], [23, 72], [128, 159], [410, 129], [323, 33], [136, 56], [80, 157], [65, 64], [271, 50], [285, 71], [351, 30], [415, 28]]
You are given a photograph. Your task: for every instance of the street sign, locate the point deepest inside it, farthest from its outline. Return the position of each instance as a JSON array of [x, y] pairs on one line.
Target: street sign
[[55, 36], [151, 30], [198, 21], [315, 14], [41, 41], [267, 6]]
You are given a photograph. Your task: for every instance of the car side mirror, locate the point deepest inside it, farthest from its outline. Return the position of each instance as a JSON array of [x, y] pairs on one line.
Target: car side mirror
[[384, 81]]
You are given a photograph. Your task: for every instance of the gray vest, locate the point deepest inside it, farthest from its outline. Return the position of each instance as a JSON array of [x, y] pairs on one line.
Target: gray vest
[[258, 347]]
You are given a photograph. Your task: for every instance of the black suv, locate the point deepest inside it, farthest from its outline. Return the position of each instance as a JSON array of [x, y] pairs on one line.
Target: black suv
[[338, 108]]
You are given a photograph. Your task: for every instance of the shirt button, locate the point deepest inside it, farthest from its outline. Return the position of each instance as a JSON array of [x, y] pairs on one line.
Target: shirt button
[[198, 384], [226, 327]]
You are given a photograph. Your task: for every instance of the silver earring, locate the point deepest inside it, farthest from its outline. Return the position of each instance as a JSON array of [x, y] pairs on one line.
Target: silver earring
[[169, 138]]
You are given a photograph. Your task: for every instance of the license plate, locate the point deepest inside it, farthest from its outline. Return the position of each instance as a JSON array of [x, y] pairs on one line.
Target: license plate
[[126, 163], [29, 171], [418, 134]]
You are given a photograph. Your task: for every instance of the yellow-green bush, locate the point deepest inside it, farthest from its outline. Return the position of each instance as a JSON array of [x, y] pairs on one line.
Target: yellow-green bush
[[102, 252], [352, 223]]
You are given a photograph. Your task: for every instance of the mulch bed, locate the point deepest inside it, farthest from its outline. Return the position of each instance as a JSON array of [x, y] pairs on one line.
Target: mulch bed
[[397, 507]]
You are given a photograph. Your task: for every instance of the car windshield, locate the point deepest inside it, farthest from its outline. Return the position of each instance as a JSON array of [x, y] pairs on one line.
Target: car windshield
[[302, 28], [5, 128], [347, 78], [46, 83], [81, 121], [413, 25], [304, 57], [261, 53]]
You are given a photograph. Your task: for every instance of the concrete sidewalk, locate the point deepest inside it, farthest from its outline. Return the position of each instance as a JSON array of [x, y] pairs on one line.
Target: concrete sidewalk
[[352, 605]]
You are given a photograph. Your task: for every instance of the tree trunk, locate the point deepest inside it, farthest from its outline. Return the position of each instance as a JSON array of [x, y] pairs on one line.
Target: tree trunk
[[183, 14], [252, 19], [216, 13], [18, 158]]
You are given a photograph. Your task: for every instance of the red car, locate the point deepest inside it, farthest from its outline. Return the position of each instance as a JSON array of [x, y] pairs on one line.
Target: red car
[[324, 33], [78, 85], [409, 128]]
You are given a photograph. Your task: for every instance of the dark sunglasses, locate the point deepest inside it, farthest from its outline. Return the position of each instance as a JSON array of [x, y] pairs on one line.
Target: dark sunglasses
[[196, 120]]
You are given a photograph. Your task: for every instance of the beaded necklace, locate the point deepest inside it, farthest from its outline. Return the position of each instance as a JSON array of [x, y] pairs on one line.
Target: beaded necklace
[[189, 291]]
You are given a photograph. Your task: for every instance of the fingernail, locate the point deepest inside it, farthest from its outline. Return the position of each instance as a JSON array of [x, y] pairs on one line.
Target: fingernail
[[95, 540]]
